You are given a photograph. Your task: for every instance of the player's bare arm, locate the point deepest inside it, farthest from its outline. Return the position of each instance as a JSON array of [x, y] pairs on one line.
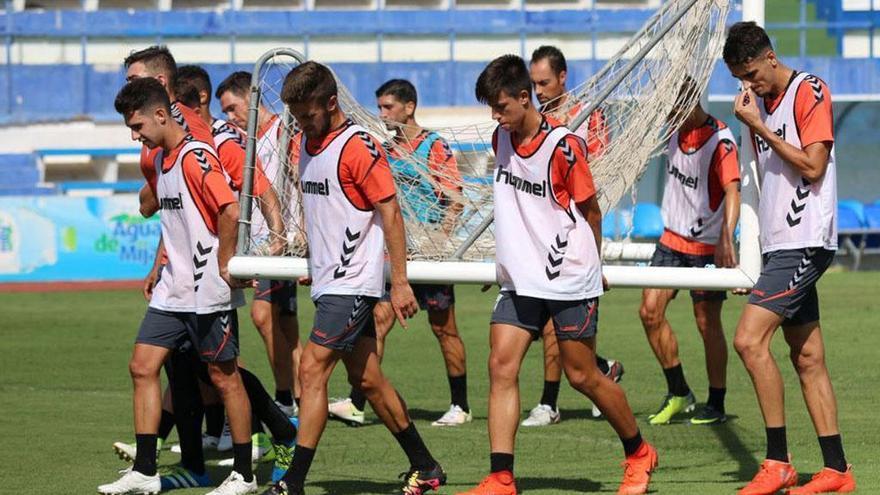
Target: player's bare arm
[[402, 299], [725, 253], [149, 205], [810, 161], [270, 207], [227, 226], [591, 211]]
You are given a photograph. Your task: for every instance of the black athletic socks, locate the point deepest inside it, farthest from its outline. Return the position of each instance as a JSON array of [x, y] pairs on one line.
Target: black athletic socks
[[416, 451], [241, 460], [295, 477], [188, 410], [284, 397], [358, 399], [214, 416], [716, 398], [550, 394], [145, 459], [500, 462], [777, 444], [266, 410], [832, 452], [166, 424], [631, 445], [458, 392], [675, 381], [602, 363]]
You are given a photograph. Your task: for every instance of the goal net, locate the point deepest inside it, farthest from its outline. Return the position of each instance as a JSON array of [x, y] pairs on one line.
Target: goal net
[[447, 207]]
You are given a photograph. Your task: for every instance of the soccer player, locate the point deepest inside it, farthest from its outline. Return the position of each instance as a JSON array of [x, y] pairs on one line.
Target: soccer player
[[548, 72], [548, 240], [427, 179], [351, 216], [274, 308], [157, 63], [195, 299], [789, 115], [700, 210]]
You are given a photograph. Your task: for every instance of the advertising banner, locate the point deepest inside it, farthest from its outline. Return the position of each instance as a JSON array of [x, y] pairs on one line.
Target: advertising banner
[[70, 239]]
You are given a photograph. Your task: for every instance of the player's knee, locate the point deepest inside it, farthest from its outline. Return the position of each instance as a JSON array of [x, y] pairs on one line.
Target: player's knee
[[261, 317], [650, 315], [583, 379], [367, 384], [224, 376], [747, 347], [142, 370], [806, 362], [502, 368]]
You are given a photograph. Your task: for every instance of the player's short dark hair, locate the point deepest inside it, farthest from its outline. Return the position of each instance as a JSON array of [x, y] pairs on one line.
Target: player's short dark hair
[[239, 83], [745, 41], [553, 56], [196, 76], [308, 82], [506, 73], [401, 89], [157, 58], [141, 94]]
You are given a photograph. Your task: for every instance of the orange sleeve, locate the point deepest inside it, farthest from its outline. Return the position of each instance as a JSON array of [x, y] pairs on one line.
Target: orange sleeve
[[197, 127], [443, 166], [206, 185], [232, 158], [723, 170], [364, 172], [725, 162], [148, 166], [813, 113], [570, 173], [597, 133]]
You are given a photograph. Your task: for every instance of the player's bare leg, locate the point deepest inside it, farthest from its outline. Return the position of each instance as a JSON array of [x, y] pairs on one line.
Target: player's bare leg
[[547, 412], [508, 346], [227, 380], [708, 317], [444, 326], [754, 332], [267, 318], [144, 366]]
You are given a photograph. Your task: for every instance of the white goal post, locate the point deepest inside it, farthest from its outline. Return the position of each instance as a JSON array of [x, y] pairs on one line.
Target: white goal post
[[451, 270]]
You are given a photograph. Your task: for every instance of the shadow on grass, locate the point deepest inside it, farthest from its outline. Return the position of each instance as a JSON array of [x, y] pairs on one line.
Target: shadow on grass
[[357, 486], [560, 485], [731, 441]]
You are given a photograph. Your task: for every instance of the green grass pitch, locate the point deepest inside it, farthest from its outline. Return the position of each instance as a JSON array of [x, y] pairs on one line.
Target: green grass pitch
[[66, 396]]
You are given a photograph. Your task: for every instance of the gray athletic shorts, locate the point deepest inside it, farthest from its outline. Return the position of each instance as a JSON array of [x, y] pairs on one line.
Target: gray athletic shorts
[[280, 292], [572, 320], [214, 335], [665, 256], [341, 320], [431, 297], [787, 285]]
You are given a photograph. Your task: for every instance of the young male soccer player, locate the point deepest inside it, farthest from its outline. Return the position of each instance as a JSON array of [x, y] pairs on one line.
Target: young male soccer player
[[195, 299], [789, 116], [426, 178], [700, 210], [548, 72], [274, 308], [157, 62], [351, 216], [547, 231]]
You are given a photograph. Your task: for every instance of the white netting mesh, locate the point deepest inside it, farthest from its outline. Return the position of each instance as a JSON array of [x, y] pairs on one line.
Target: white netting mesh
[[447, 203]]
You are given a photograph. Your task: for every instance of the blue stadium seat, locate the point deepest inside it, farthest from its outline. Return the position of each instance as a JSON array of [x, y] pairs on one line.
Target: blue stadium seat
[[611, 224], [856, 206], [18, 170], [847, 217], [872, 216], [647, 221]]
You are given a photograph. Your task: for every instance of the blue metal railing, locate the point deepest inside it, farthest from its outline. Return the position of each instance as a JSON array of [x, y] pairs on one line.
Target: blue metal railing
[[302, 25]]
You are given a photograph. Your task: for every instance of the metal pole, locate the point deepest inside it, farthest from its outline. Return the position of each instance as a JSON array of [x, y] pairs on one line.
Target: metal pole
[[246, 198]]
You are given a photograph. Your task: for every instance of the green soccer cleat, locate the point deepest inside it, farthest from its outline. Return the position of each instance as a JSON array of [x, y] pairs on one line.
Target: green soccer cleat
[[673, 405], [708, 416]]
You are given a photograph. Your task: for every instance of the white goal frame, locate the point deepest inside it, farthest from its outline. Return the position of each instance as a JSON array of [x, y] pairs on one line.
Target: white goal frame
[[743, 276]]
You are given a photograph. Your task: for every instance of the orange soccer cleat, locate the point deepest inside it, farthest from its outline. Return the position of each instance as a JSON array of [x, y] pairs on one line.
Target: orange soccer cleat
[[828, 481], [771, 478], [500, 483], [637, 470]]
